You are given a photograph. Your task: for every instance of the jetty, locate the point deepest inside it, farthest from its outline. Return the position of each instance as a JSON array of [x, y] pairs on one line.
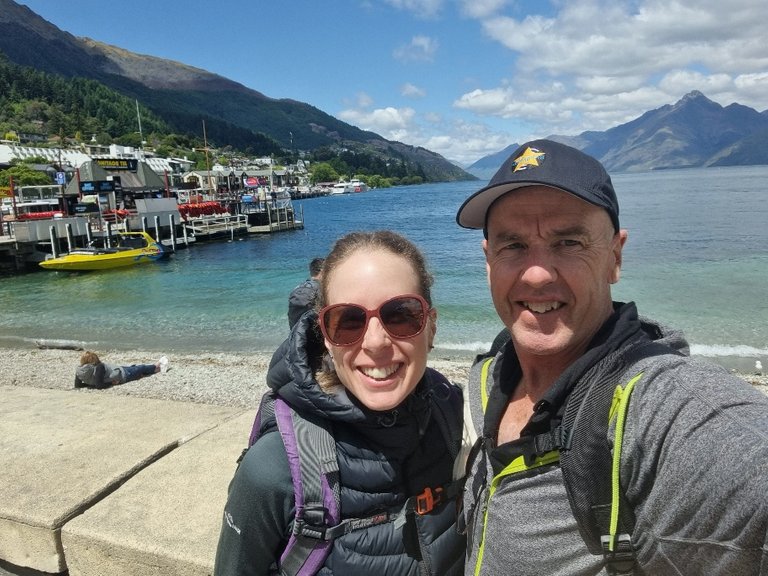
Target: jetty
[[28, 239], [101, 190]]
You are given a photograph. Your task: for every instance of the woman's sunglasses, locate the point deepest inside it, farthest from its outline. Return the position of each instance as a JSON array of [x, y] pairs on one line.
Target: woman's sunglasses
[[402, 317]]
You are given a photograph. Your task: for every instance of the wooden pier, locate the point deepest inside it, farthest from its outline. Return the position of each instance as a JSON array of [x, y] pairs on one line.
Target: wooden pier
[[275, 219], [24, 244]]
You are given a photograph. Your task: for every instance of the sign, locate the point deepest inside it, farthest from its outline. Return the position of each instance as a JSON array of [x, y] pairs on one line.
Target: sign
[[87, 186], [131, 164], [5, 191], [86, 208], [61, 178], [94, 186]]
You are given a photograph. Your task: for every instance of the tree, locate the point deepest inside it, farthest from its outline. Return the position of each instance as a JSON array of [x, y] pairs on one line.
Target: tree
[[323, 172], [377, 181], [23, 175], [29, 160], [130, 139], [103, 138]]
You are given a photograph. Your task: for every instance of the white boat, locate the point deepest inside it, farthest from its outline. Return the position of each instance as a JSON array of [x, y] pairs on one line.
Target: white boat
[[358, 185], [353, 185], [341, 188]]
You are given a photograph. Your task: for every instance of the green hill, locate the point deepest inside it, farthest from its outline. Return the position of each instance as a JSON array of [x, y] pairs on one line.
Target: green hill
[[181, 97]]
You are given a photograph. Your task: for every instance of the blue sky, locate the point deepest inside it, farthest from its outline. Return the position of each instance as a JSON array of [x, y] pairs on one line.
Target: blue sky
[[463, 78]]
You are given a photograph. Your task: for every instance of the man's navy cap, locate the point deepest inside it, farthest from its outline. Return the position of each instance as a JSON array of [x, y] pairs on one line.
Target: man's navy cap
[[544, 163]]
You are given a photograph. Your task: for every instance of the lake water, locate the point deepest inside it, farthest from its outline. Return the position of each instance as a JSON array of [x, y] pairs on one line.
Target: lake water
[[696, 259]]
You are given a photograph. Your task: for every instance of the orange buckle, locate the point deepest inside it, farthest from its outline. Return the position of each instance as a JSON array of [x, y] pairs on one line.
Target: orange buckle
[[428, 499]]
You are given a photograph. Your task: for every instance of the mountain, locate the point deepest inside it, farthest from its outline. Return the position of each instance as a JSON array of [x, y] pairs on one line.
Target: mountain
[[693, 132], [486, 167], [184, 95]]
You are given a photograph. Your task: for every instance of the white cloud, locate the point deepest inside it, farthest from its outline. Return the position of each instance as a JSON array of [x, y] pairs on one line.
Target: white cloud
[[599, 63], [457, 140], [363, 100], [583, 65], [390, 122], [465, 142], [481, 8], [421, 8], [751, 88], [411, 91], [683, 81], [420, 48]]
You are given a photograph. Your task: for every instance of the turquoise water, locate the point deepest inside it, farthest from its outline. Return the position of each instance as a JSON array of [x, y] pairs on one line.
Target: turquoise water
[[697, 259]]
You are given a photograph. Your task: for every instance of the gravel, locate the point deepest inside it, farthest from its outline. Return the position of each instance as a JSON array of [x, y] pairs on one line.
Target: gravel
[[208, 378]]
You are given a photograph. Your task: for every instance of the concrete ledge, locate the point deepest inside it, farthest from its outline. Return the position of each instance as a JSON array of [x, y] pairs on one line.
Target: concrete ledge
[[165, 521], [61, 452]]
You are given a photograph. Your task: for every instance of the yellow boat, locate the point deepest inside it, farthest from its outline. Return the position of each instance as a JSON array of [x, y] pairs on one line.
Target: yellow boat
[[131, 248]]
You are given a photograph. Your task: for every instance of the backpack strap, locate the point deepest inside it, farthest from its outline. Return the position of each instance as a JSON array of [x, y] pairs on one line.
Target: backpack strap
[[311, 452], [618, 553], [265, 413], [591, 466]]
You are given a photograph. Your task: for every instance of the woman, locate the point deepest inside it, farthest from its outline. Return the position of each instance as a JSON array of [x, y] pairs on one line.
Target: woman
[[359, 367]]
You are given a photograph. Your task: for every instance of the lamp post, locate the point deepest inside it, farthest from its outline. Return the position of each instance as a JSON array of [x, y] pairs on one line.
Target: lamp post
[[61, 180]]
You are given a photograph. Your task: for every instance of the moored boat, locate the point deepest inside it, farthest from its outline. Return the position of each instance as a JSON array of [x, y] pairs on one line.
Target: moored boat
[[131, 248], [354, 185], [358, 185], [340, 188]]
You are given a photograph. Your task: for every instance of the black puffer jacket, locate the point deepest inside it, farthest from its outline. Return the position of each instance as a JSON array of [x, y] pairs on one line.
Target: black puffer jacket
[[384, 458]]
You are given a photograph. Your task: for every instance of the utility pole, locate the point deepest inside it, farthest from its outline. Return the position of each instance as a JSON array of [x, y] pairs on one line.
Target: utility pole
[[141, 134], [207, 161]]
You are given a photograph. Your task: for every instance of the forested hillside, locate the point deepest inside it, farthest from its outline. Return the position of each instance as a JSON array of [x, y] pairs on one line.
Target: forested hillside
[[35, 102]]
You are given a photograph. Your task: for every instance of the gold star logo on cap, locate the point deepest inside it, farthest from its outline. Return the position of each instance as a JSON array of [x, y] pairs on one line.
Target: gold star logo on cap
[[530, 157]]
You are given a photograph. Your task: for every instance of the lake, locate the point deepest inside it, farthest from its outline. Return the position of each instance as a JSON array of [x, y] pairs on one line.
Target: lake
[[696, 259]]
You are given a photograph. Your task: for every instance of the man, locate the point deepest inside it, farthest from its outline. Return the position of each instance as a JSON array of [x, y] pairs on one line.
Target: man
[[302, 298], [587, 393]]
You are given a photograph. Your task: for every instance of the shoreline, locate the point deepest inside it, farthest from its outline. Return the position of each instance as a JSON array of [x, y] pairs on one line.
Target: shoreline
[[224, 379]]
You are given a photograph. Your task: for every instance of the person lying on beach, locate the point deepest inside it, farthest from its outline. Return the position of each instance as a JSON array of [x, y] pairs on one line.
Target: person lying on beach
[[93, 373]]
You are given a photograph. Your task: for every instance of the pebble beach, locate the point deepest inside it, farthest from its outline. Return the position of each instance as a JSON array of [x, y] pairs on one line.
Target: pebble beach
[[210, 378]]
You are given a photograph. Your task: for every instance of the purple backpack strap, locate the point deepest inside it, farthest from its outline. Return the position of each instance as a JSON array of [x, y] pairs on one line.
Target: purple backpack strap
[[265, 412], [311, 451]]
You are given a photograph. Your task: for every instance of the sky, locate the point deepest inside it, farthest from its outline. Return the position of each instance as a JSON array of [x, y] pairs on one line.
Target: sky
[[463, 78]]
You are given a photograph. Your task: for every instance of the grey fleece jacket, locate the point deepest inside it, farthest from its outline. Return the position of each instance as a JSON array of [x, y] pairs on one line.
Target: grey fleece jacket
[[99, 375], [694, 467]]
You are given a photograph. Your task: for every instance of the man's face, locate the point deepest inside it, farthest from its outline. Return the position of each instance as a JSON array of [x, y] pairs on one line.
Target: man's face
[[551, 259]]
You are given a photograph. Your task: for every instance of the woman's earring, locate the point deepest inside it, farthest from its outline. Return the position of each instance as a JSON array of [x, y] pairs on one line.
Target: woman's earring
[[328, 364]]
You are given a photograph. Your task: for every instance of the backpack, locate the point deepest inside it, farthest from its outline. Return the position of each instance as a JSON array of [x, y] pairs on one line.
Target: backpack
[[591, 473], [311, 451]]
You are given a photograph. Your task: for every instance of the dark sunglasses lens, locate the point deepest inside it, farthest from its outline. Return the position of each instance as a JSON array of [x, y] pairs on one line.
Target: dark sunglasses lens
[[345, 324], [403, 317]]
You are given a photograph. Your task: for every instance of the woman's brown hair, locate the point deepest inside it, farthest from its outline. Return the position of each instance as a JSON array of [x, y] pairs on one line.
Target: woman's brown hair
[[385, 240]]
